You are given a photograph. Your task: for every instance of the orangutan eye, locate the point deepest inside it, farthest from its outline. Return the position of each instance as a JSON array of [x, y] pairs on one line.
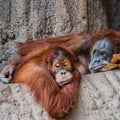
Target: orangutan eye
[[104, 54], [57, 65], [96, 52], [66, 63]]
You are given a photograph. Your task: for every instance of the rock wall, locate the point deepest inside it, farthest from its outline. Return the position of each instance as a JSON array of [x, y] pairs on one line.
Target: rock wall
[[112, 8], [22, 20], [98, 99]]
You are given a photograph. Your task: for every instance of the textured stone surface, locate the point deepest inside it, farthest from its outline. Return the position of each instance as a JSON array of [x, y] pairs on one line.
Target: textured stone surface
[[113, 13], [99, 99], [16, 103], [22, 20]]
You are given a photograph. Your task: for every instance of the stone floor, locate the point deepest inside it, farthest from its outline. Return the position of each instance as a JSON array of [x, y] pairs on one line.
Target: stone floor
[[99, 99]]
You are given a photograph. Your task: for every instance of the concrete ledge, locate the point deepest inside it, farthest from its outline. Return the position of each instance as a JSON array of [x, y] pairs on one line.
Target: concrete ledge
[[99, 99]]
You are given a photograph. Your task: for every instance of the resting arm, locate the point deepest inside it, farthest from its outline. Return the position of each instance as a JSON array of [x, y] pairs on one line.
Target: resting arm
[[6, 73], [115, 63]]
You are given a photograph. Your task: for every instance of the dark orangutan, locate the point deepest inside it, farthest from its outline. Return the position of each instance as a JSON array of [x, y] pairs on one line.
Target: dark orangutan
[[101, 55], [52, 77]]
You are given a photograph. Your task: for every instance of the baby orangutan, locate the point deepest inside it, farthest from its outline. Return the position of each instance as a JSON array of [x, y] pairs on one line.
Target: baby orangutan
[[52, 77]]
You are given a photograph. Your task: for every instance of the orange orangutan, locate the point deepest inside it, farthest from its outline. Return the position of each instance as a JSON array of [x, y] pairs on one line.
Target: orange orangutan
[[38, 70], [52, 77]]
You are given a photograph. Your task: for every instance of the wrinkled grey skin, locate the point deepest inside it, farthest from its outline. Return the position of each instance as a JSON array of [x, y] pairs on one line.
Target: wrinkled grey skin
[[101, 55]]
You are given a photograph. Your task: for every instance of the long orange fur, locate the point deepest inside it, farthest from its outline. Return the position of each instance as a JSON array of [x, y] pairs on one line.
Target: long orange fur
[[33, 72], [73, 42]]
